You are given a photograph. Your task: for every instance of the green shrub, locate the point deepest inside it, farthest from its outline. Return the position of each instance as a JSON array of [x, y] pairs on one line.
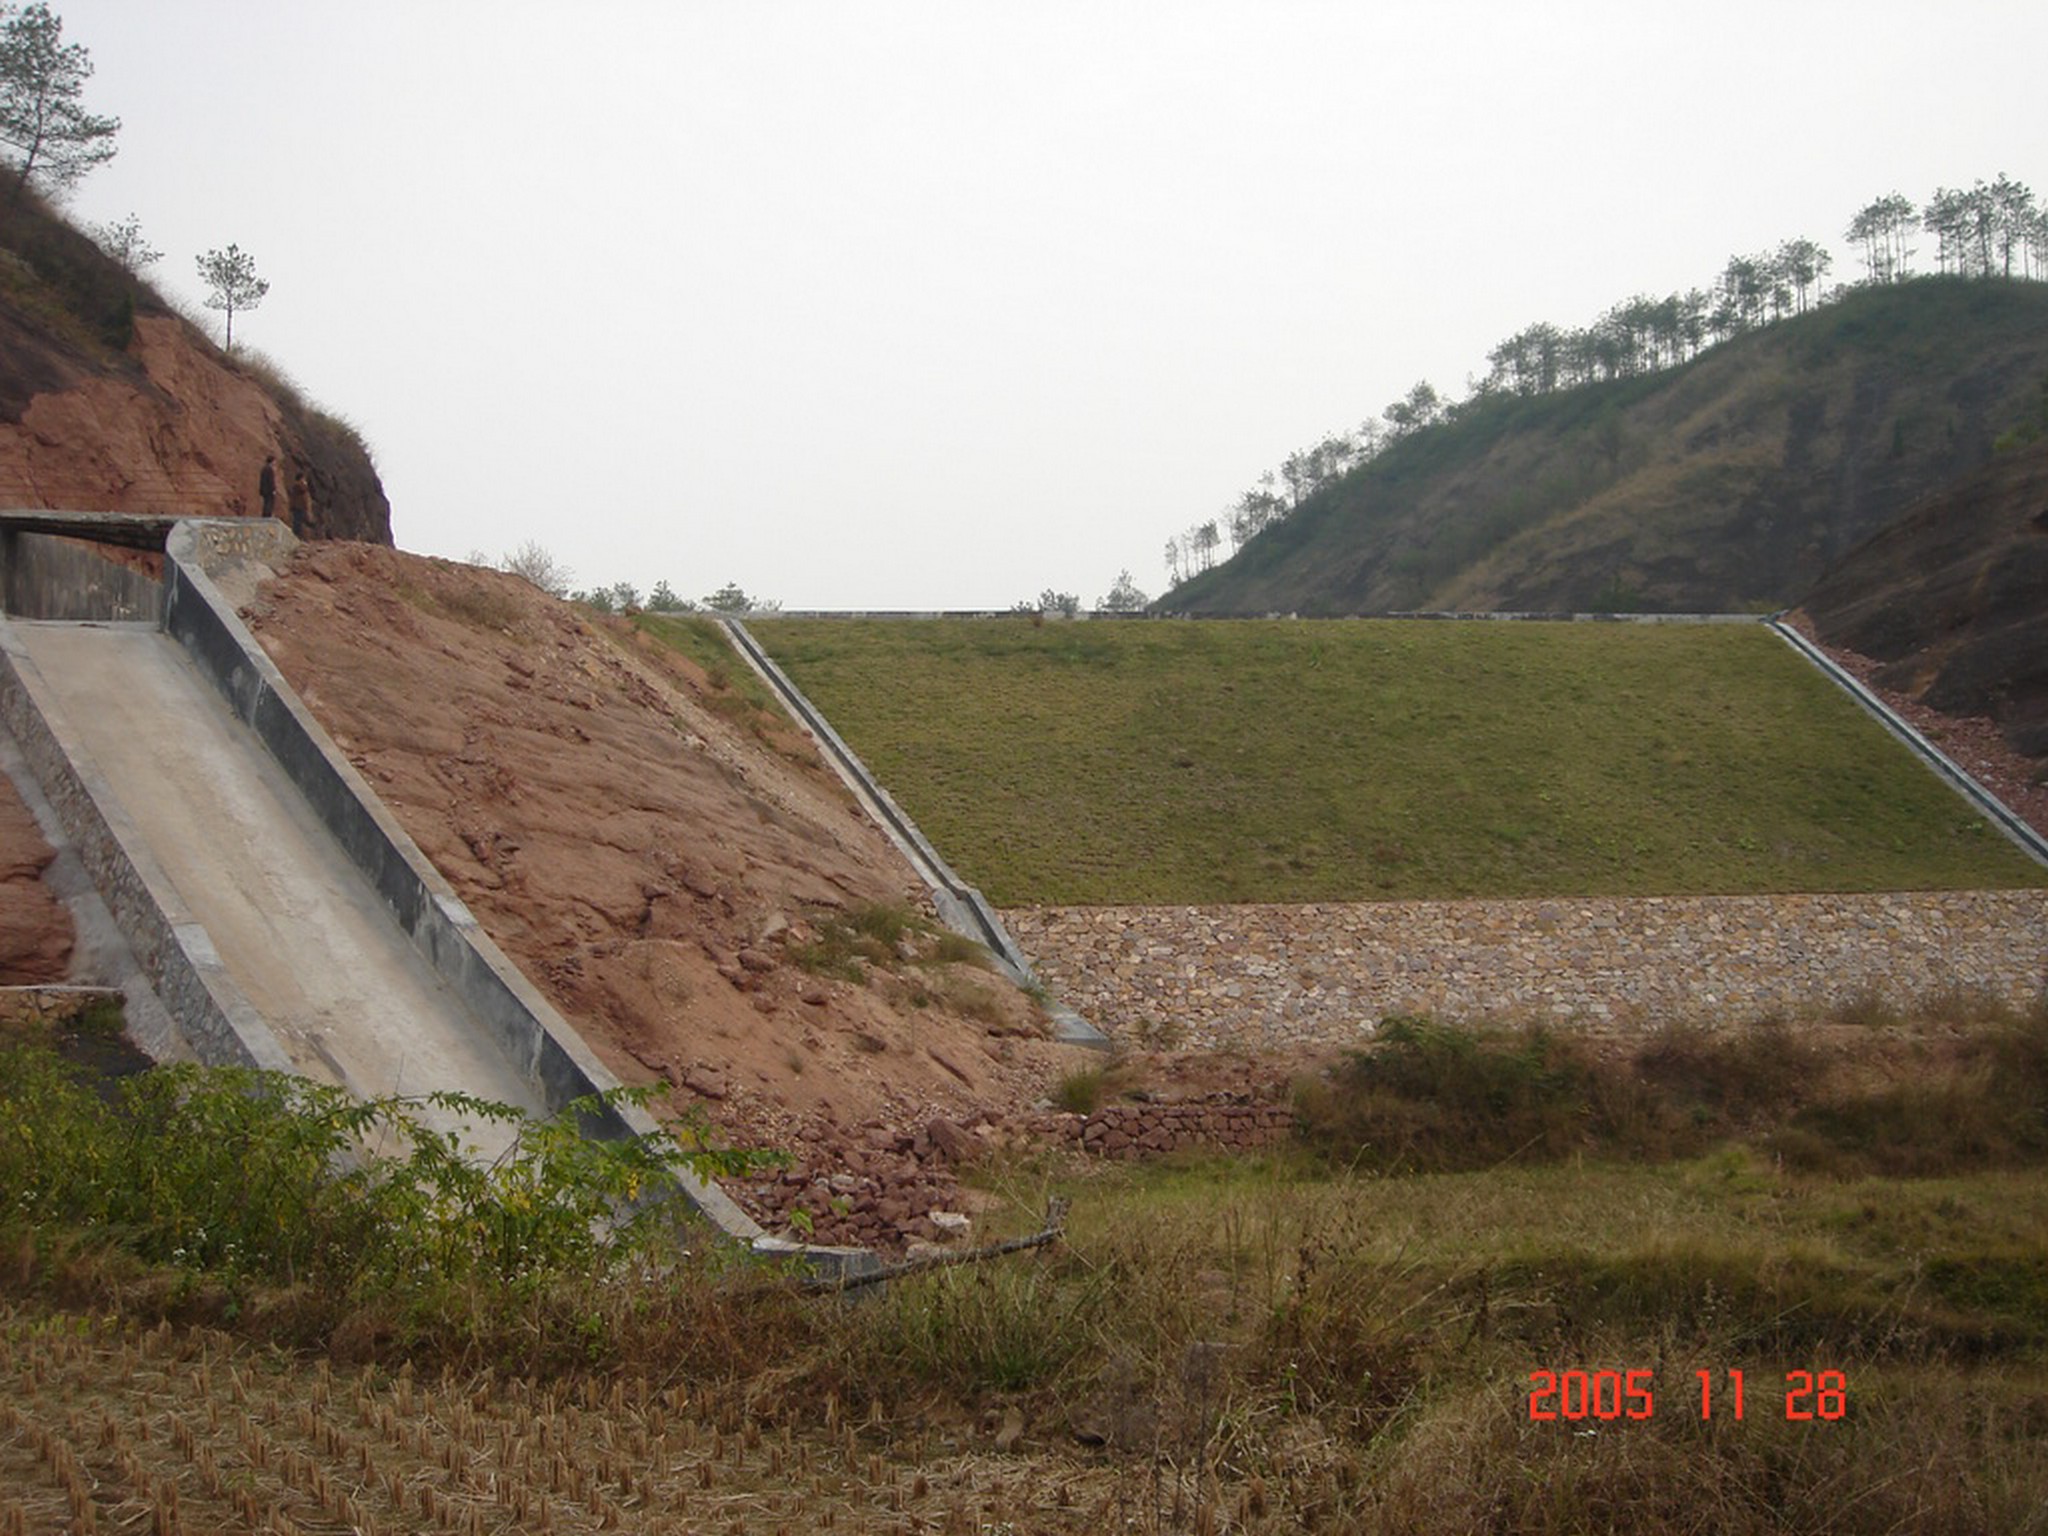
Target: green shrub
[[987, 1328], [1430, 1096], [1079, 1093], [250, 1175]]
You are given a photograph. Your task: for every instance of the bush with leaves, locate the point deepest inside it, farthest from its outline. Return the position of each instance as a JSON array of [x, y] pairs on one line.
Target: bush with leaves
[[266, 1176], [733, 598]]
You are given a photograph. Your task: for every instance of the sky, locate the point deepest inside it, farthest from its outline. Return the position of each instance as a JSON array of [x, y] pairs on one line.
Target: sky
[[875, 305]]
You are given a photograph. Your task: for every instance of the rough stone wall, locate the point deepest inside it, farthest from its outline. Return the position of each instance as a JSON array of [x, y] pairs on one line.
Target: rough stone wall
[[1221, 1122], [42, 1006], [1264, 976]]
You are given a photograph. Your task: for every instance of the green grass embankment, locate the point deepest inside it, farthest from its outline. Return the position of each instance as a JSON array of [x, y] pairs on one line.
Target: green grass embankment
[[1253, 761]]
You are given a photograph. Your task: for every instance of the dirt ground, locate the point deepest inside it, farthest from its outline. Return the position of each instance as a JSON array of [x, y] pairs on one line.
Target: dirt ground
[[665, 875], [35, 930]]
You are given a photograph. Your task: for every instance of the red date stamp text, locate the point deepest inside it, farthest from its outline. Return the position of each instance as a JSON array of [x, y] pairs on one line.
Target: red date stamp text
[[1575, 1396]]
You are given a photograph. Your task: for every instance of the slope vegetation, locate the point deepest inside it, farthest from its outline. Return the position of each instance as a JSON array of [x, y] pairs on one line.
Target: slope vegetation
[[1173, 763], [1953, 599], [1731, 483]]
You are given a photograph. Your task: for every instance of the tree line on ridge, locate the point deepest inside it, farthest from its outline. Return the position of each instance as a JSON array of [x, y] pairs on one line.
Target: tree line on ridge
[[1990, 230]]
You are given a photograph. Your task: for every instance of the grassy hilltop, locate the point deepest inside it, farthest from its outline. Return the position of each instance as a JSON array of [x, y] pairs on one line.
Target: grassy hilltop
[[1730, 483], [1270, 761]]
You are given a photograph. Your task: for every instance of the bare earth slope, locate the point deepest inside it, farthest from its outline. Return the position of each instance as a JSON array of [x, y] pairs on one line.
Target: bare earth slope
[[656, 870]]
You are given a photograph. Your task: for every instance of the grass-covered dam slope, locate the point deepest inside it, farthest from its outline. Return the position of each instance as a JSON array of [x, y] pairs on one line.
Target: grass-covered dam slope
[[1252, 761]]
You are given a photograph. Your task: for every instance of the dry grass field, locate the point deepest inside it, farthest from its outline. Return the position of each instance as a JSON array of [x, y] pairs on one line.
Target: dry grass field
[[1348, 1335]]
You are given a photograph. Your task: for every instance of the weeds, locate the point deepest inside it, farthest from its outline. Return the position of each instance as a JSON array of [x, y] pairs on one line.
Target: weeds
[[733, 690], [1982, 1108], [1435, 1098], [850, 940], [983, 1329], [887, 936], [1245, 1346], [482, 605], [1079, 1093]]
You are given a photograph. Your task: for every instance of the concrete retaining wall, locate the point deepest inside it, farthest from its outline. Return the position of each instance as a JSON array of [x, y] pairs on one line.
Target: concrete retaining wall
[[50, 578], [1267, 976]]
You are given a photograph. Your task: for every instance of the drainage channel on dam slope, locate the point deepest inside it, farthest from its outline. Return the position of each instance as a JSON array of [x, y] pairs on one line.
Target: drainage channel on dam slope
[[297, 926]]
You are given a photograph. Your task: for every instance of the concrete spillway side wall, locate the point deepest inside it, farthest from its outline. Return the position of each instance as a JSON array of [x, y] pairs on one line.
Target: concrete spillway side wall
[[42, 577], [201, 620], [1993, 809], [961, 906], [524, 1026], [172, 948]]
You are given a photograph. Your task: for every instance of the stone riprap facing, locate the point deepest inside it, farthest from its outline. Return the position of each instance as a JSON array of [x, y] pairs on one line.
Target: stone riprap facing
[[1262, 976]]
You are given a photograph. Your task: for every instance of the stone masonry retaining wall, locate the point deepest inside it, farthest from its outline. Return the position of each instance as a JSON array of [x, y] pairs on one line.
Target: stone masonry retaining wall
[[1264, 976], [1223, 1122], [53, 1004]]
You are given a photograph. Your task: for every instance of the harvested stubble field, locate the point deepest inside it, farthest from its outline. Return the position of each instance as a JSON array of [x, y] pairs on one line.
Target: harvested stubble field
[[1341, 1337], [1341, 760], [188, 1430]]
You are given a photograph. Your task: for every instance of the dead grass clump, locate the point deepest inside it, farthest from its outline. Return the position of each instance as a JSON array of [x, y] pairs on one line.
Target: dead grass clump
[[1427, 1097], [851, 939], [1729, 1074], [476, 604], [480, 606], [1919, 1451], [1433, 1097], [966, 998], [1866, 1008], [1980, 1108]]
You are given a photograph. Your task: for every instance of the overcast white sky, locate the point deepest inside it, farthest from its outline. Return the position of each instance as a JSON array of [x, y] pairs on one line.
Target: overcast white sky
[[938, 304]]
